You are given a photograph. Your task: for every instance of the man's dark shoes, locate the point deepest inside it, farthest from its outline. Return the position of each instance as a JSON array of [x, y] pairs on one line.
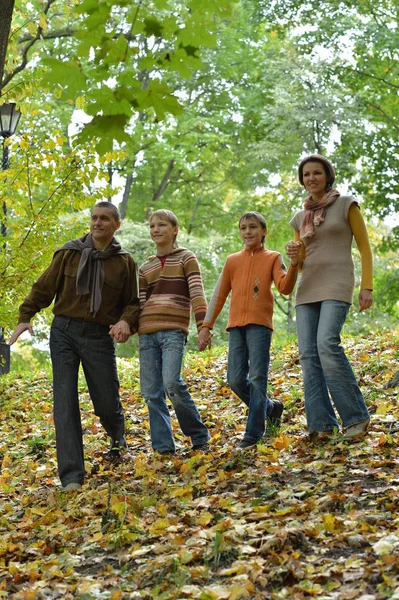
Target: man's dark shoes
[[275, 411], [166, 452], [246, 444], [116, 451], [202, 447]]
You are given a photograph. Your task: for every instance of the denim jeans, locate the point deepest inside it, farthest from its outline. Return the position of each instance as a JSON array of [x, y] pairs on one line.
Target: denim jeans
[[161, 357], [247, 373], [71, 343], [326, 370]]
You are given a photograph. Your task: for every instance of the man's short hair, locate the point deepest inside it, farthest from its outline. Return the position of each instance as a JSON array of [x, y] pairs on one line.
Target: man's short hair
[[115, 212]]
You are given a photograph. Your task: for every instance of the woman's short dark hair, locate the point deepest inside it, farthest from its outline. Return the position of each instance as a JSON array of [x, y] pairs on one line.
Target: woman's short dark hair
[[328, 167]]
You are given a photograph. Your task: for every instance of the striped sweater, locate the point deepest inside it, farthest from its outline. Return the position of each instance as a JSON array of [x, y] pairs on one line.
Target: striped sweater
[[166, 293]]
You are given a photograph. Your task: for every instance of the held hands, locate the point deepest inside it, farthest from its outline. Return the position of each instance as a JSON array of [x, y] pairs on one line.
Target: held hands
[[293, 249], [365, 299], [204, 338], [20, 328], [120, 331]]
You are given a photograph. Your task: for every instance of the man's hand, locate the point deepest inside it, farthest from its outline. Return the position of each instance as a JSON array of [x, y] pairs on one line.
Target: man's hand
[[20, 328], [204, 338], [120, 331], [365, 299]]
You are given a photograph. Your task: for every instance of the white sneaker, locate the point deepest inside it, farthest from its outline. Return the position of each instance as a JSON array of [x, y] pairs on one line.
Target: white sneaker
[[72, 486], [355, 430]]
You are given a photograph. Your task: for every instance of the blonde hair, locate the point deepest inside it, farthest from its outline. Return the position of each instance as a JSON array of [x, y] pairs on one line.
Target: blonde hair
[[167, 215]]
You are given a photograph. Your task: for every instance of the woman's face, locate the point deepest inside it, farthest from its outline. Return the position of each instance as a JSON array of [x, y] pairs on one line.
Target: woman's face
[[314, 179]]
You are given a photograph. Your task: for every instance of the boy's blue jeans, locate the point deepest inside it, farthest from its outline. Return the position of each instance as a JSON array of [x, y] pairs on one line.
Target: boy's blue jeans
[[71, 343], [161, 357], [247, 373], [326, 370]]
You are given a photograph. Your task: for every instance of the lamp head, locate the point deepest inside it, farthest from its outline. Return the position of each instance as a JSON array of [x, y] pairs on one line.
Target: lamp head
[[9, 119]]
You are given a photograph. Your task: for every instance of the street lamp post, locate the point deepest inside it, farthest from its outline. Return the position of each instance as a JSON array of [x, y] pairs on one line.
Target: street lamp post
[[9, 119]]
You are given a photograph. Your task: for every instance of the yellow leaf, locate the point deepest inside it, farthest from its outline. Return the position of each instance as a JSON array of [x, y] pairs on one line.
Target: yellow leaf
[[43, 21], [384, 408], [24, 143], [205, 518], [32, 28], [159, 525], [282, 442], [238, 591], [80, 102], [7, 462], [329, 522]]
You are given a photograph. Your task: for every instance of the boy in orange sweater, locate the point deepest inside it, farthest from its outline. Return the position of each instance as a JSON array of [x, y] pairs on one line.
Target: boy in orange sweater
[[248, 275]]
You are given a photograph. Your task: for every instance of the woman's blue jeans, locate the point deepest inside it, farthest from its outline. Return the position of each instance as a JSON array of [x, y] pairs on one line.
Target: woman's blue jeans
[[247, 373], [326, 370], [71, 343], [161, 357]]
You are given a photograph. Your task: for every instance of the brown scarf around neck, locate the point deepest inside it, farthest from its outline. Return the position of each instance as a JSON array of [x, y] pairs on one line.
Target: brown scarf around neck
[[316, 212], [89, 273]]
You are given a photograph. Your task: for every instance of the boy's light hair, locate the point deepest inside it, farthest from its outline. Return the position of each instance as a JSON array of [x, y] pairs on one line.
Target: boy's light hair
[[167, 215], [252, 214]]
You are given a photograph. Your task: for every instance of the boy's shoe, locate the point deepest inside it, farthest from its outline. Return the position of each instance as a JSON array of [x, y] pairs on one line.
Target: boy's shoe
[[203, 447], [355, 430], [166, 452], [245, 444], [72, 486], [275, 411]]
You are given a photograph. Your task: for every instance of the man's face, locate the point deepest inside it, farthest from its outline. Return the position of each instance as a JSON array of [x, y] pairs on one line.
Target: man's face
[[103, 226]]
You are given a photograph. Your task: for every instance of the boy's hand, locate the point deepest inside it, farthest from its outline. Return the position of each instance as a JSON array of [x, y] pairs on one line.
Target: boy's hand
[[120, 331], [293, 249], [204, 338]]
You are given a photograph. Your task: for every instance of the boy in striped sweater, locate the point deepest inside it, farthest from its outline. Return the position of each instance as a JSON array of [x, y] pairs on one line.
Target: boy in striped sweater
[[170, 283]]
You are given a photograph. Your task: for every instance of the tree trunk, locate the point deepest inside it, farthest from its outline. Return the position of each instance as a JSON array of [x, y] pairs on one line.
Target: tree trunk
[[126, 193], [7, 7]]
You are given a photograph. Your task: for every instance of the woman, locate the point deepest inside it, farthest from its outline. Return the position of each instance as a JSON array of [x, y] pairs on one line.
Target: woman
[[326, 227]]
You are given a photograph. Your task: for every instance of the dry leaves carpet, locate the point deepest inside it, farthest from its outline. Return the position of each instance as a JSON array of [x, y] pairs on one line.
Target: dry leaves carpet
[[291, 519]]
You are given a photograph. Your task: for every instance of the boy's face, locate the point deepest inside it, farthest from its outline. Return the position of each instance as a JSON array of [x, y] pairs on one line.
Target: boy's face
[[162, 231], [252, 232]]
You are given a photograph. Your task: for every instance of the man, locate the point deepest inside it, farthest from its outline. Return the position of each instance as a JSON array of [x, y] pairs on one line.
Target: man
[[94, 282]]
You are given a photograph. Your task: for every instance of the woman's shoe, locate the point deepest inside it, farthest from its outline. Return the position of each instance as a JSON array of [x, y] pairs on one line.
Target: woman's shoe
[[355, 430]]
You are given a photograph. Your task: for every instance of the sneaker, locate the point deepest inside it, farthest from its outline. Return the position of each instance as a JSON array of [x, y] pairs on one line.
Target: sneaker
[[244, 444], [355, 430], [202, 447], [275, 411], [72, 486]]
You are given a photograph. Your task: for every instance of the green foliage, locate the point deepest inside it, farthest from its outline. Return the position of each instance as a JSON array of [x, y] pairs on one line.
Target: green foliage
[[45, 191]]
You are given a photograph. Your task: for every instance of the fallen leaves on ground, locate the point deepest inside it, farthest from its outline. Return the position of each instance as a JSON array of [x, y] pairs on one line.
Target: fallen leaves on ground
[[290, 519]]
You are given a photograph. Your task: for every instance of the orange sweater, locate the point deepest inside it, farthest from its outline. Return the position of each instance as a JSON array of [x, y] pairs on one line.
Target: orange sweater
[[249, 276]]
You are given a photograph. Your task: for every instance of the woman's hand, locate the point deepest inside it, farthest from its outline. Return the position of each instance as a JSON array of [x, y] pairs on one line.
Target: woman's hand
[[365, 299], [293, 249]]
